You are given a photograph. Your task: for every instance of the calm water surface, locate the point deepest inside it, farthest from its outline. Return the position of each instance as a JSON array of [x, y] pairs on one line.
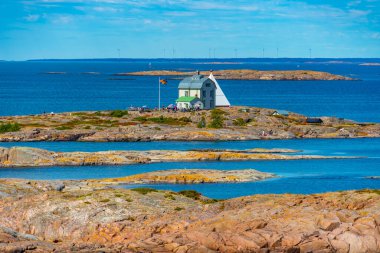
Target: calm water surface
[[26, 88], [301, 176]]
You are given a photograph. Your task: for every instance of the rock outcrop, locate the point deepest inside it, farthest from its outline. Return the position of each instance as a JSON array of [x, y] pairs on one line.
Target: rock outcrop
[[30, 157], [36, 218], [193, 176], [238, 123]]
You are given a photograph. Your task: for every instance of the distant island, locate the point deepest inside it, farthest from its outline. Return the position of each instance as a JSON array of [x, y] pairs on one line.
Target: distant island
[[248, 74]]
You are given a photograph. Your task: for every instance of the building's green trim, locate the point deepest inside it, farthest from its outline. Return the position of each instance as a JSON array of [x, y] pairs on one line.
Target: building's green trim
[[185, 99]]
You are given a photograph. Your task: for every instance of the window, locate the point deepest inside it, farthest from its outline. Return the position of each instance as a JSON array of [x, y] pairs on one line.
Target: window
[[212, 94], [203, 93], [186, 93], [208, 84]]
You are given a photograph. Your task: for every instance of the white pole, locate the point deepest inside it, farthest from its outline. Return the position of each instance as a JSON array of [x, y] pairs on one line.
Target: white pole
[[159, 93]]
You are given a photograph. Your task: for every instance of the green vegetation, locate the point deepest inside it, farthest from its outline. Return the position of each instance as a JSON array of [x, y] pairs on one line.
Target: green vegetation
[[63, 128], [118, 113], [209, 201], [143, 190], [239, 122], [178, 208], [104, 200], [130, 218], [217, 118], [369, 191], [164, 120], [169, 196], [191, 194], [202, 123], [9, 127]]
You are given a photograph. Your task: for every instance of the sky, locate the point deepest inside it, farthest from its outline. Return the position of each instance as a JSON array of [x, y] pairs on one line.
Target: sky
[[67, 29]]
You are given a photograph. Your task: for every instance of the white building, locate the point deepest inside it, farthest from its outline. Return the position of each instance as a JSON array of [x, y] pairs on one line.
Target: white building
[[200, 92]]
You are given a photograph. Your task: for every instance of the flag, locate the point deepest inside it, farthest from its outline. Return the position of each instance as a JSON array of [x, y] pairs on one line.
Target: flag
[[163, 81]]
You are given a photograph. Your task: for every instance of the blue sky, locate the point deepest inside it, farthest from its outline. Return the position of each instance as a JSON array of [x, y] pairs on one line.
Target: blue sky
[[35, 29]]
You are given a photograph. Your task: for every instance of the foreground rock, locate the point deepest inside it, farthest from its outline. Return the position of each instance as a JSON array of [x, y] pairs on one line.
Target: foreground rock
[[248, 74], [29, 157], [238, 123], [36, 218], [193, 176]]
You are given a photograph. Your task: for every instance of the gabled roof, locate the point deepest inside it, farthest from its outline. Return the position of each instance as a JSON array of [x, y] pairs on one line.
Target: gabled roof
[[220, 98], [192, 82], [186, 99]]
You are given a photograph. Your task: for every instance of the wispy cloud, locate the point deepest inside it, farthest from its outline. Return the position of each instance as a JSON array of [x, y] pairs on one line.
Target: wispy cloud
[[32, 18]]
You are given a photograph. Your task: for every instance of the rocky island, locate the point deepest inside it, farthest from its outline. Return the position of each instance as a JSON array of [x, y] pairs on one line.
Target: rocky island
[[247, 74], [31, 157], [233, 123], [77, 216], [193, 176]]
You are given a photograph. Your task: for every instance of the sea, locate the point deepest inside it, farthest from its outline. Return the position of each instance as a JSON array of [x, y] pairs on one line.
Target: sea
[[34, 87]]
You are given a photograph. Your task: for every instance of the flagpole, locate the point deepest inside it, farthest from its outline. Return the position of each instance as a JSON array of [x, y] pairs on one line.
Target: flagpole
[[159, 93]]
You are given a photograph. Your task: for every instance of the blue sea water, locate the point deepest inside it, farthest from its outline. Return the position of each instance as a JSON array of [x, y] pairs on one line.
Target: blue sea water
[[26, 88], [298, 176]]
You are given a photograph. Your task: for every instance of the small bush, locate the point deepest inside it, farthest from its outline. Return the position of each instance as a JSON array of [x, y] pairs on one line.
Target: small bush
[[169, 196], [118, 113], [217, 122], [185, 119], [217, 118], [191, 194], [141, 119], [202, 123], [239, 122], [104, 200], [209, 201], [178, 208], [9, 127], [217, 112], [143, 190]]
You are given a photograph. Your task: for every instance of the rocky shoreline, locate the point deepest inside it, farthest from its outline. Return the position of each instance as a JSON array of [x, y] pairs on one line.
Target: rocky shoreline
[[235, 123], [192, 176], [248, 74], [34, 157], [43, 216]]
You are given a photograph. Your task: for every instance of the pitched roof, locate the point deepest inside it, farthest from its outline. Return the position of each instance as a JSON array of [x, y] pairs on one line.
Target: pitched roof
[[192, 82], [220, 98], [186, 99]]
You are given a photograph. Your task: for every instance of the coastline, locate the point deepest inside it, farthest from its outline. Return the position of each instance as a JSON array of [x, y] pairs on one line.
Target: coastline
[[238, 123], [34, 157]]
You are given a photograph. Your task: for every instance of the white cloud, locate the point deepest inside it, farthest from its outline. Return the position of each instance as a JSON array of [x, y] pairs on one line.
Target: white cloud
[[62, 19], [106, 9], [32, 18]]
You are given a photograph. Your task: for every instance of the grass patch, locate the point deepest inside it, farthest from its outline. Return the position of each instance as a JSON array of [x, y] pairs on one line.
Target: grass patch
[[191, 194], [369, 191], [118, 113], [209, 201], [9, 127], [202, 123], [239, 122], [104, 200], [143, 190], [63, 128], [217, 118], [178, 209], [169, 196], [164, 120]]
